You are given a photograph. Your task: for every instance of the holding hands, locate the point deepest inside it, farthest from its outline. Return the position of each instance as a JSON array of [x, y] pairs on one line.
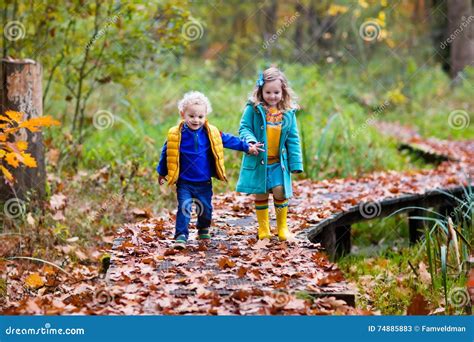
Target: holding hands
[[254, 148], [161, 179]]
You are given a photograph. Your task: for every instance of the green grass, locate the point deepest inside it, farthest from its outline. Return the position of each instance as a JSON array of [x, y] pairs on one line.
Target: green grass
[[328, 119], [387, 269]]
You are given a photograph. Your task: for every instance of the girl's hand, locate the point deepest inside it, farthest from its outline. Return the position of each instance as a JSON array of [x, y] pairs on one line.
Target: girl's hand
[[254, 148], [161, 179]]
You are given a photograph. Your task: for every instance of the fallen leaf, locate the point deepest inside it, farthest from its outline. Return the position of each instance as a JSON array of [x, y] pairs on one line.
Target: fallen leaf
[[34, 281], [225, 262], [57, 201], [418, 306]]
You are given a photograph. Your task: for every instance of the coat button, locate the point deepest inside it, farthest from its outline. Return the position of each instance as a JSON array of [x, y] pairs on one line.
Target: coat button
[[261, 127], [262, 162], [283, 167], [283, 150]]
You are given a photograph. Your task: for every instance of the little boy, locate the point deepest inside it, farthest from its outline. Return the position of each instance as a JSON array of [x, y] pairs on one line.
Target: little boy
[[191, 155]]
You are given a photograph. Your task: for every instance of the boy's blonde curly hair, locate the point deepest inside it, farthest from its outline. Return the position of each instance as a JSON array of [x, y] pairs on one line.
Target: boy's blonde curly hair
[[194, 97], [288, 100]]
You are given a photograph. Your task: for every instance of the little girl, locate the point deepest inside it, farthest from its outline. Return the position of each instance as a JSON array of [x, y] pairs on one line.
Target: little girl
[[269, 118]]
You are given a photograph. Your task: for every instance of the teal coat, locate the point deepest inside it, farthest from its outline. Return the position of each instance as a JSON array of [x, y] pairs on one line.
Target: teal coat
[[253, 128]]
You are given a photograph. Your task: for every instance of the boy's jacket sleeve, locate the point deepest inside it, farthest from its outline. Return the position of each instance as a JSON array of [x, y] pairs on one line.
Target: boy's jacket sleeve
[[234, 143], [162, 167]]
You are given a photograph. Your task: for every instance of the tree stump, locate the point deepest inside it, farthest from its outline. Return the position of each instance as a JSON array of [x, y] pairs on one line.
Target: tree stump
[[21, 90]]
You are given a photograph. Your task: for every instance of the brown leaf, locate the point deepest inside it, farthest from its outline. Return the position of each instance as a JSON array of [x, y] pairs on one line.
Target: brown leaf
[[146, 213], [170, 251], [225, 262], [240, 295], [261, 244], [241, 272], [332, 277], [419, 306]]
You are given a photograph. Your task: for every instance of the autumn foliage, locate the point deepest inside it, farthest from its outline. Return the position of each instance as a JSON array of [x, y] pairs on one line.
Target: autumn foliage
[[13, 150]]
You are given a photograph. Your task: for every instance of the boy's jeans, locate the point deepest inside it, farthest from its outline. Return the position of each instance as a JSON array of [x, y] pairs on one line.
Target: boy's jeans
[[199, 194]]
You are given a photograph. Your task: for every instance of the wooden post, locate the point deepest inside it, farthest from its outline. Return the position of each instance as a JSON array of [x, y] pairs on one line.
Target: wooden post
[[327, 238], [21, 90], [415, 226], [336, 240], [343, 241]]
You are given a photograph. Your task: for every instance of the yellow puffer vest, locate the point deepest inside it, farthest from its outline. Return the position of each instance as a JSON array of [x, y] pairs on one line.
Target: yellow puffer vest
[[172, 151]]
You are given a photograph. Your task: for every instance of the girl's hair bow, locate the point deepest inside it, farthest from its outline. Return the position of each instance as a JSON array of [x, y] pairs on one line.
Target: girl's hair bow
[[260, 80]]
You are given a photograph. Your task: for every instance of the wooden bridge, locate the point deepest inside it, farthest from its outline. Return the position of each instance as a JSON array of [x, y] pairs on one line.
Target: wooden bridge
[[237, 274]]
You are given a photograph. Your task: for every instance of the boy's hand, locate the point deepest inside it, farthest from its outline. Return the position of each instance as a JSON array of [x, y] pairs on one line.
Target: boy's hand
[[254, 148], [161, 179]]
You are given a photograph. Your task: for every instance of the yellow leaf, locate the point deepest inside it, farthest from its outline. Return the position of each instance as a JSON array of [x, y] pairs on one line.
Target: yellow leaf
[[6, 173], [33, 124], [2, 153], [49, 121], [363, 3], [4, 118], [22, 145], [15, 116], [28, 160], [34, 281], [336, 9], [11, 130], [381, 16], [12, 159]]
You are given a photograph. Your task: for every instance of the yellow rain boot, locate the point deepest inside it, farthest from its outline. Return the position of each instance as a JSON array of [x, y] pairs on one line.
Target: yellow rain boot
[[281, 210], [263, 220]]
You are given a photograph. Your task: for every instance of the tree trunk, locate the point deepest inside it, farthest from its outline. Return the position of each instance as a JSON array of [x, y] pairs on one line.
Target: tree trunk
[[21, 90], [269, 27], [298, 36], [460, 28]]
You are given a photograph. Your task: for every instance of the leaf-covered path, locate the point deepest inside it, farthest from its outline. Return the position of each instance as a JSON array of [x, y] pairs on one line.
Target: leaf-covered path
[[236, 274]]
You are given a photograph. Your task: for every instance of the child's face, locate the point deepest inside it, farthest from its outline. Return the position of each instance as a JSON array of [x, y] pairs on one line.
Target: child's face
[[194, 115], [272, 92]]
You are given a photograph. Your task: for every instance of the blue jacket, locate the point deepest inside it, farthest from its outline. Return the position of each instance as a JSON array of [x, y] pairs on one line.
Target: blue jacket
[[195, 155], [253, 128]]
